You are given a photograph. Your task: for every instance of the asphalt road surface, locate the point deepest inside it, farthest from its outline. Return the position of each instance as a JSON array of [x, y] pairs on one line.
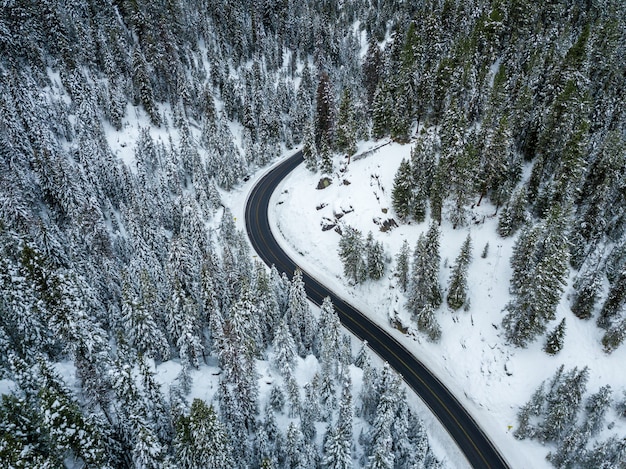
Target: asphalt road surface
[[477, 448]]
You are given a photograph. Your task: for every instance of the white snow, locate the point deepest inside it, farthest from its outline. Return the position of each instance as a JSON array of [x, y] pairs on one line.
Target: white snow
[[491, 378]]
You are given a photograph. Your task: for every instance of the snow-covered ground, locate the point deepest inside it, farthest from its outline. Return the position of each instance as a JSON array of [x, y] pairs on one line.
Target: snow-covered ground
[[491, 378]]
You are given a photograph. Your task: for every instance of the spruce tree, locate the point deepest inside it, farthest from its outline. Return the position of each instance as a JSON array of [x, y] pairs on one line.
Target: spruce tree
[[423, 165], [402, 265], [457, 290], [299, 316], [351, 249], [596, 408], [554, 341], [325, 113], [345, 140], [424, 290], [374, 257], [309, 150], [285, 351], [401, 194], [539, 264]]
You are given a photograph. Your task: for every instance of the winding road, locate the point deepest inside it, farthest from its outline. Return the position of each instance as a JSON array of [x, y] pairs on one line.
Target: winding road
[[477, 448]]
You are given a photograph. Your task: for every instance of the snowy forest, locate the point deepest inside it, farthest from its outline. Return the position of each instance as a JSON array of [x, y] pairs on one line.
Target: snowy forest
[[124, 124]]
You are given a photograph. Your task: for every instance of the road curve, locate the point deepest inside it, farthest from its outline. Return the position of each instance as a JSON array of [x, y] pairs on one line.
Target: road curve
[[477, 448]]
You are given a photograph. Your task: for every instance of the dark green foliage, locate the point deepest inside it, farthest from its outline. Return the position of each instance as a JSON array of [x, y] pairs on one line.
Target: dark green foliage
[[616, 298], [614, 336], [423, 164], [587, 289], [554, 340], [403, 190], [597, 406], [201, 439], [551, 414], [402, 265], [325, 113], [457, 289], [309, 150], [424, 292], [513, 215], [539, 264], [345, 141], [372, 69], [351, 248], [374, 256]]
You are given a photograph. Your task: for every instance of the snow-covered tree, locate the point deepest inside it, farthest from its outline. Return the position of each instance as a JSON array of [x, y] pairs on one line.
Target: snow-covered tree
[[351, 249], [457, 290]]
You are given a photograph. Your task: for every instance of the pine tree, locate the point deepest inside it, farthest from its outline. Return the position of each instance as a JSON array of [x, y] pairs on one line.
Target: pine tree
[[457, 290], [345, 141], [143, 87], [382, 109], [554, 341], [539, 264], [614, 301], [423, 165], [614, 336], [285, 351], [372, 69], [513, 216], [338, 444], [309, 150], [201, 439], [374, 257], [325, 113], [277, 398], [596, 407], [299, 316], [570, 449], [563, 403], [424, 290], [402, 265], [401, 194], [329, 327], [326, 158], [351, 249]]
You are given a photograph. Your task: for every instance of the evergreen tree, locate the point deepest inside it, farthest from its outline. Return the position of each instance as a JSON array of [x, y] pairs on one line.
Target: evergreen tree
[[285, 351], [539, 264], [401, 194], [402, 265], [143, 87], [554, 341], [338, 444], [299, 316], [596, 408], [372, 69], [614, 336], [587, 290], [423, 165], [351, 249], [309, 150], [424, 287], [329, 327], [614, 301], [513, 216], [374, 257], [563, 401], [326, 158], [325, 113], [201, 440], [457, 290], [345, 140]]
